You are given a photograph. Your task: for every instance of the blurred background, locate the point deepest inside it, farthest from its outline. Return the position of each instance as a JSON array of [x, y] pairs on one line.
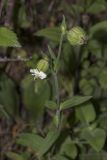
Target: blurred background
[[83, 69]]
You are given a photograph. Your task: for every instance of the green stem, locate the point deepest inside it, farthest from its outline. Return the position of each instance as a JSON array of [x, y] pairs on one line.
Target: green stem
[[58, 113], [56, 87], [60, 47], [56, 71], [55, 76]]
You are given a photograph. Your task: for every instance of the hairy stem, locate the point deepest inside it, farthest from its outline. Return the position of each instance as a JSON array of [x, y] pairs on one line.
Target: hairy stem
[[60, 47], [56, 87], [55, 76], [58, 113]]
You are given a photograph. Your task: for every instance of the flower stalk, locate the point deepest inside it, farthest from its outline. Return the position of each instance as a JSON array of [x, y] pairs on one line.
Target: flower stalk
[[55, 75]]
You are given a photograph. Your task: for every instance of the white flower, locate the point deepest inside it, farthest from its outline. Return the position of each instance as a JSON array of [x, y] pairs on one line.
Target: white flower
[[38, 74]]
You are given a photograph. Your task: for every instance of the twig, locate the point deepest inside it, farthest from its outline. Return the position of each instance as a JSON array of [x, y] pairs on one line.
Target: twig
[[1, 7], [9, 12], [14, 59], [51, 6]]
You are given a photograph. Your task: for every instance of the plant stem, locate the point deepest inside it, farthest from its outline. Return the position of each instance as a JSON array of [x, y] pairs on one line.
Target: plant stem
[[9, 13], [5, 59], [1, 7], [60, 47], [57, 88], [58, 113], [55, 76], [55, 73]]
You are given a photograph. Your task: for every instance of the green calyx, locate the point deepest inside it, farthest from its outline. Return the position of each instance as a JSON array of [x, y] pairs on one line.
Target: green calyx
[[76, 36], [43, 65]]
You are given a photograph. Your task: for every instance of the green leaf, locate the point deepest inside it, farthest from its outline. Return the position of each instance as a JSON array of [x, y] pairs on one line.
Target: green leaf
[[93, 155], [23, 19], [48, 142], [96, 8], [60, 157], [8, 38], [9, 99], [52, 33], [31, 140], [98, 26], [101, 27], [15, 156], [96, 138], [35, 94], [69, 149], [74, 101], [51, 105], [37, 143], [103, 78], [95, 47], [85, 86], [86, 113], [103, 120]]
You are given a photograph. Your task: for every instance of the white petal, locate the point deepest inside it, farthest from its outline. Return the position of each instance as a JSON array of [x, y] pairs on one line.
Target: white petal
[[42, 75], [38, 74], [32, 70]]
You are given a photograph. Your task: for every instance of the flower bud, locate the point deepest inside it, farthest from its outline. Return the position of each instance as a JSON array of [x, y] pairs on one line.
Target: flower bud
[[63, 29], [43, 65], [63, 26], [76, 36]]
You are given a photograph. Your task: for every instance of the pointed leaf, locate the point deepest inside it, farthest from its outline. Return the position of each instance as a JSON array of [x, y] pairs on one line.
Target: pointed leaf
[[74, 101], [31, 140], [52, 33], [48, 142], [37, 143]]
